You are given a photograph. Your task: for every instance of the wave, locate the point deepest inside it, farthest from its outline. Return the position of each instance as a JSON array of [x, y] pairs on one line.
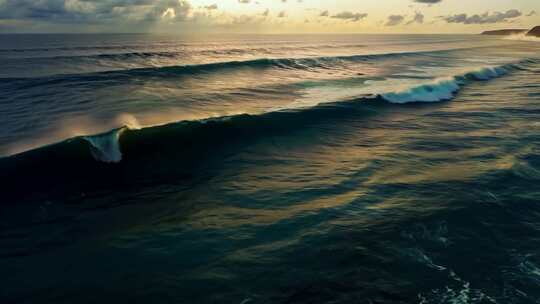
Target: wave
[[445, 88], [231, 50], [119, 56], [304, 63], [175, 152], [85, 48], [439, 90], [436, 91], [106, 147], [129, 159]]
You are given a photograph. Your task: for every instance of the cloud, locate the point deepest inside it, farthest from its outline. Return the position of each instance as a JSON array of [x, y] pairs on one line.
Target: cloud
[[394, 20], [428, 1], [96, 11], [181, 15], [179, 9], [417, 18], [211, 7], [346, 15], [495, 17]]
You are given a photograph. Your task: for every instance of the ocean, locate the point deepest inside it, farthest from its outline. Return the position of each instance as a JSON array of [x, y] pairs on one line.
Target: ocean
[[269, 169]]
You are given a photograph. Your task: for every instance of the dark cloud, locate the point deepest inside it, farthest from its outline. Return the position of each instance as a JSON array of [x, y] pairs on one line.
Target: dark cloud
[[495, 17], [346, 15], [428, 1], [417, 18], [211, 7], [94, 10], [394, 20]]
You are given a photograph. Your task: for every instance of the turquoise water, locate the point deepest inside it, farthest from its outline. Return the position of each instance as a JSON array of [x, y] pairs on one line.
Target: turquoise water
[[270, 169]]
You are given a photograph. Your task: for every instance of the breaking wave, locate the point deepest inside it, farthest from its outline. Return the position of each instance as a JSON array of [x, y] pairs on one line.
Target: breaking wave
[[444, 89], [107, 147], [439, 90], [305, 63]]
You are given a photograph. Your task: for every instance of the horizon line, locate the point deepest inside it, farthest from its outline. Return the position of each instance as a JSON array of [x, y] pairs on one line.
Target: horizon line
[[226, 33]]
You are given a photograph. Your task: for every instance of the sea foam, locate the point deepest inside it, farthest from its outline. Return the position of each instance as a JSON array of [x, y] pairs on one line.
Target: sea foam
[[106, 147], [443, 89], [439, 90]]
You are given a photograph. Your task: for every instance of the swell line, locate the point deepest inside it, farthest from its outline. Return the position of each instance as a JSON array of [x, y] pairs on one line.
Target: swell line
[[438, 90], [175, 152], [106, 147], [303, 63]]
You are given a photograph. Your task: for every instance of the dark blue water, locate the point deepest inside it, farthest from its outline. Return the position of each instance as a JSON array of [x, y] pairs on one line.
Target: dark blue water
[[269, 169]]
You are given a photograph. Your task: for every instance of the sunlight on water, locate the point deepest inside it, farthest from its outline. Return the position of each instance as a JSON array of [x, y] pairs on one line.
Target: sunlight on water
[[290, 169]]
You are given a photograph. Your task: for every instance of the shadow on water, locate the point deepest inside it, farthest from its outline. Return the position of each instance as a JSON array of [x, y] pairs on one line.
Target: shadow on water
[[175, 154]]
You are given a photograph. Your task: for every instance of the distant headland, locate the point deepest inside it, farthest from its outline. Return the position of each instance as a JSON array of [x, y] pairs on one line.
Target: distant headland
[[505, 32], [535, 32]]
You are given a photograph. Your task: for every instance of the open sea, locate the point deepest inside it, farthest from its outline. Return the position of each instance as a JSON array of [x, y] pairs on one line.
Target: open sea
[[269, 169]]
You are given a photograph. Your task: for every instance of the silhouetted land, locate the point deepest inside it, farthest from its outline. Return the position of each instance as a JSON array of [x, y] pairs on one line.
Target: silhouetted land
[[505, 32]]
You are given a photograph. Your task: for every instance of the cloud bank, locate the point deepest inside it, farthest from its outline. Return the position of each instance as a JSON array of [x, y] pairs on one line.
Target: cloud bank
[[485, 18], [237, 15]]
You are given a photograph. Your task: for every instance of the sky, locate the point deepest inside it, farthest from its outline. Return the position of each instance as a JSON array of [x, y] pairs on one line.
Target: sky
[[266, 16]]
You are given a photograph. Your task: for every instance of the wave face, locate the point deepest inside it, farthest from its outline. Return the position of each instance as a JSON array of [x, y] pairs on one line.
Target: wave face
[[305, 169]]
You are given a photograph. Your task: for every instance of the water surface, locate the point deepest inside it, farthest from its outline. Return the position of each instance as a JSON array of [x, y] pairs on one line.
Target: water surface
[[269, 169]]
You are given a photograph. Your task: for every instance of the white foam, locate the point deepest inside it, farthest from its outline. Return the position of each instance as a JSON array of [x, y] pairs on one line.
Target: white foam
[[106, 147], [458, 291], [439, 90], [443, 89], [487, 73]]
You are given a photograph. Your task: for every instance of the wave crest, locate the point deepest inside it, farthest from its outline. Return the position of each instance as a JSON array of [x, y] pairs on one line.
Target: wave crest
[[106, 147], [439, 90], [445, 88], [488, 73]]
